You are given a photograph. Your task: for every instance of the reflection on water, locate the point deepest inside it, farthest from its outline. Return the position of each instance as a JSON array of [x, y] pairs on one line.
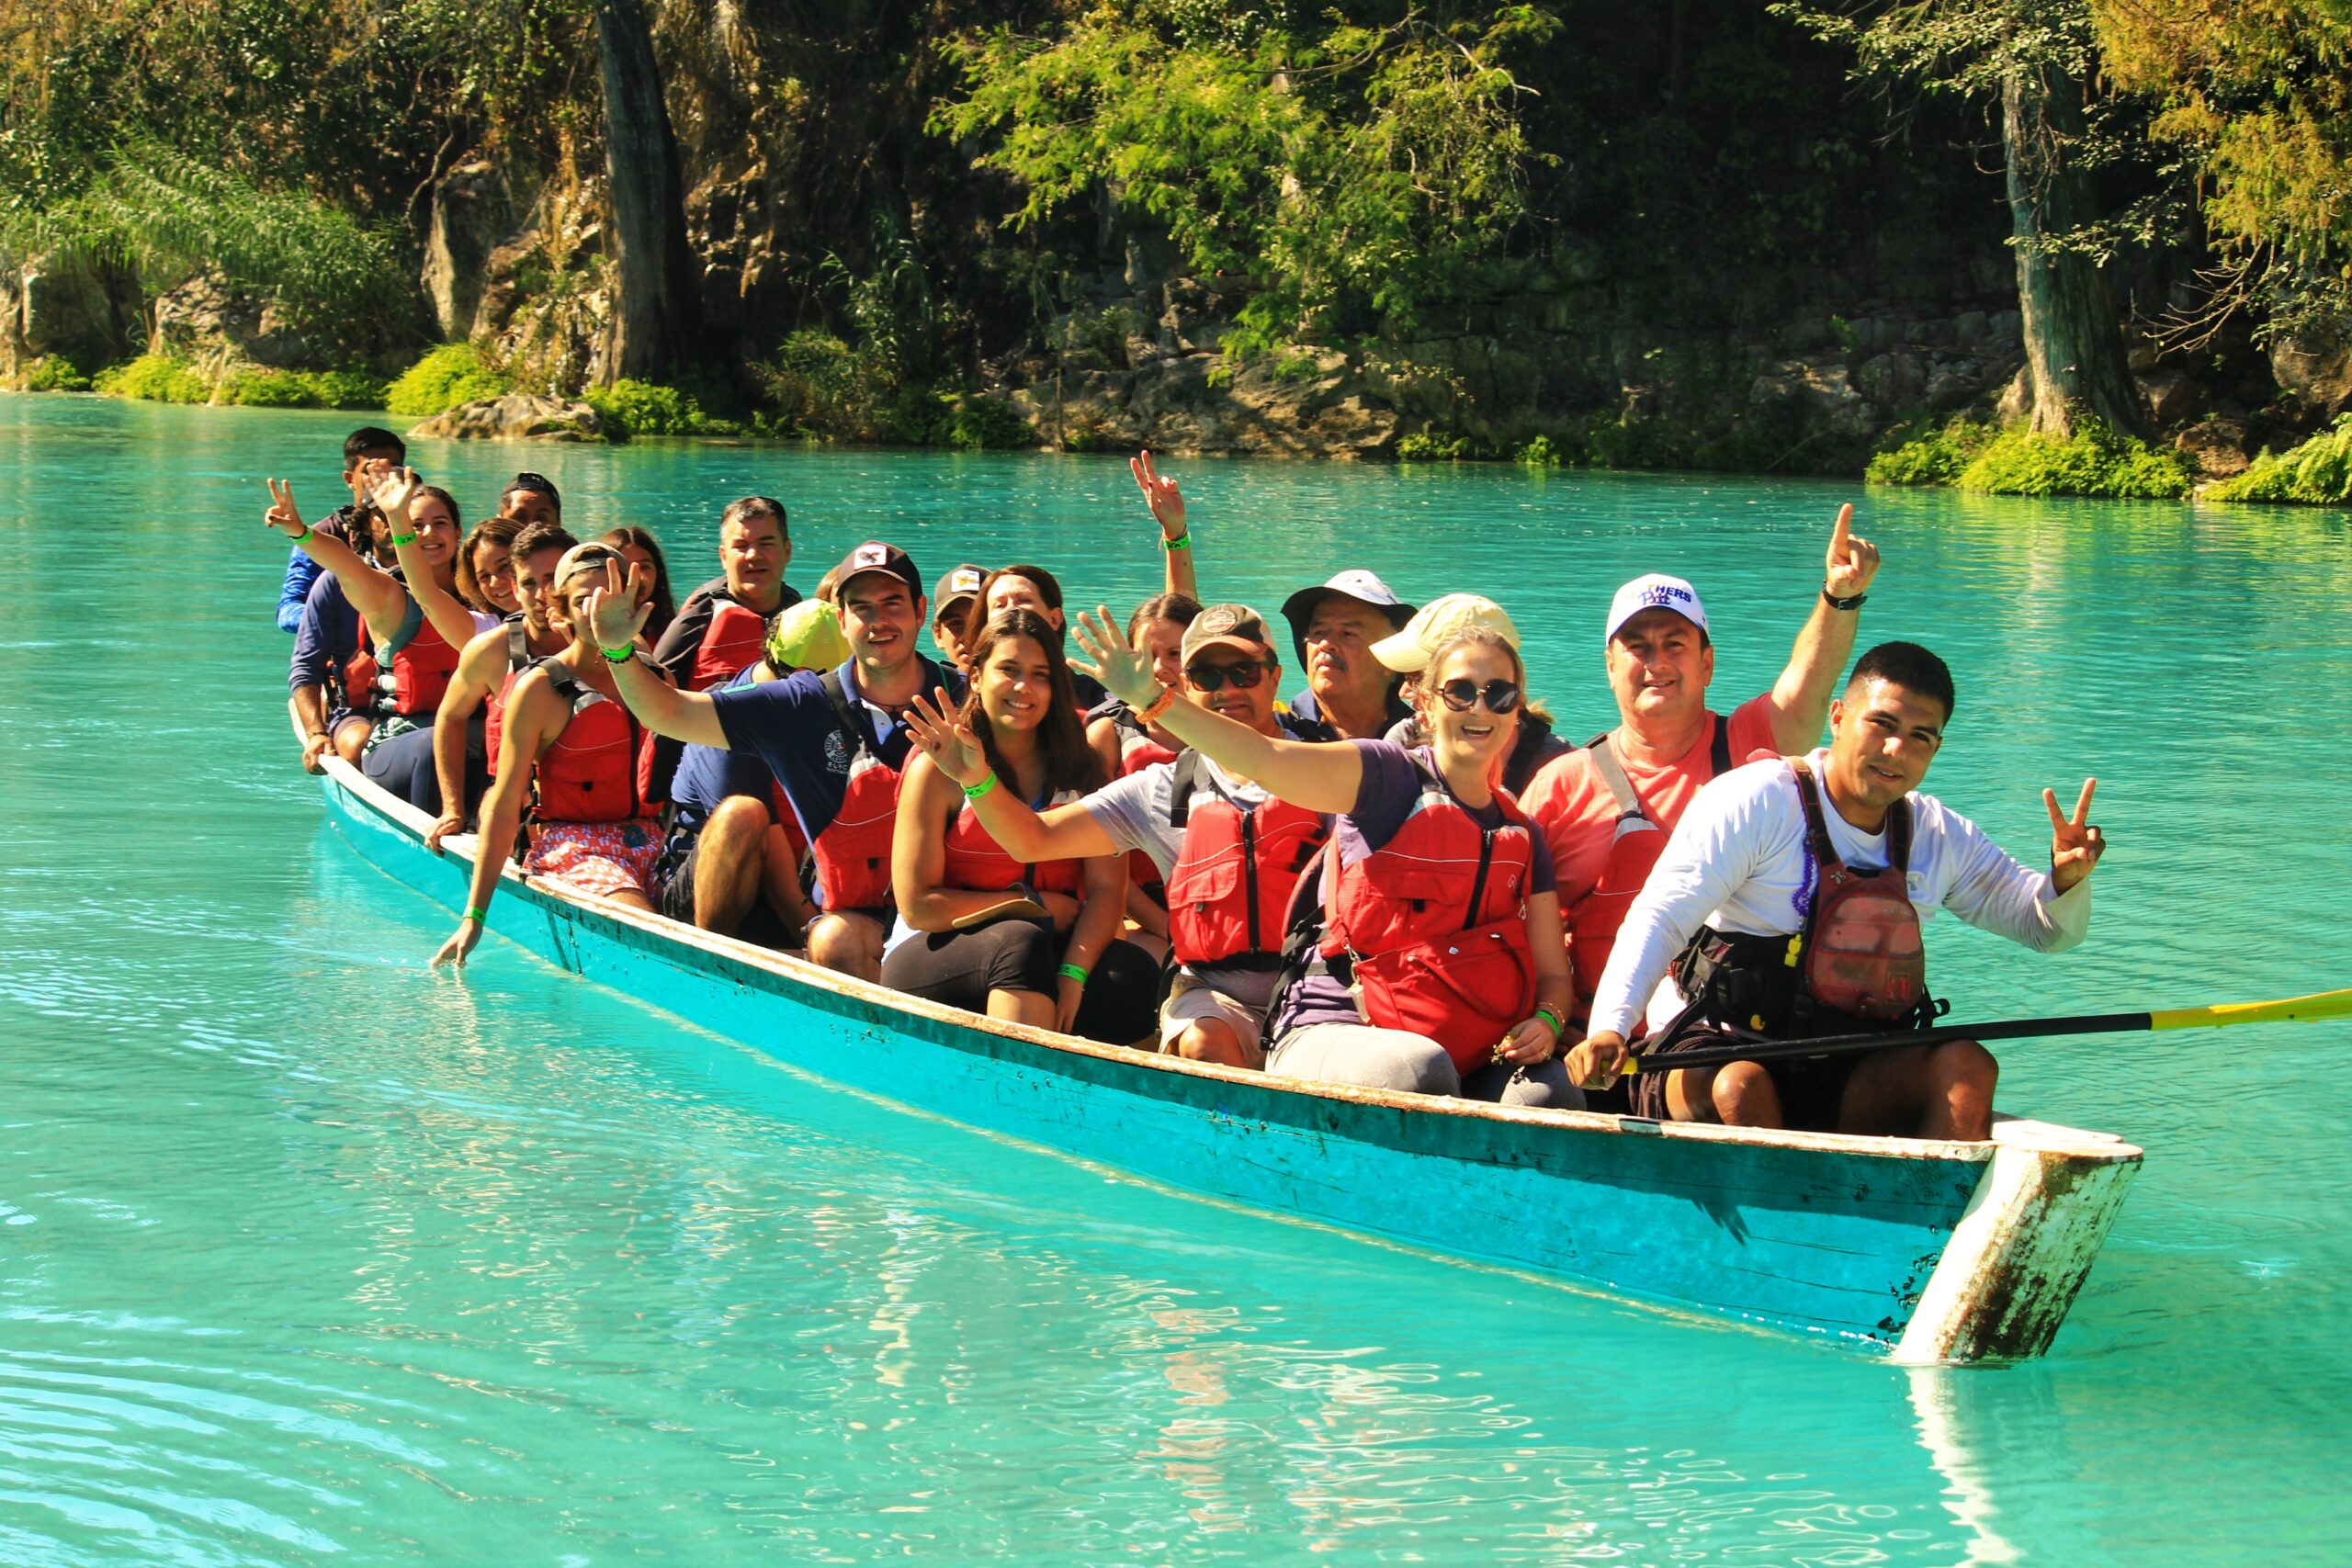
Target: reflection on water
[[306, 1253]]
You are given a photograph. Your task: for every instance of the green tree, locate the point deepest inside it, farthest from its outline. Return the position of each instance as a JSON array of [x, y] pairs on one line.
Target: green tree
[[1349, 172], [2033, 61]]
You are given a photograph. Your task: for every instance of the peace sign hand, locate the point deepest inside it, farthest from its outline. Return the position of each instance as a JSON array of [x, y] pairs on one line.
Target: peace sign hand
[[1167, 501], [1126, 672], [2075, 842], [1852, 562], [281, 515], [946, 738]]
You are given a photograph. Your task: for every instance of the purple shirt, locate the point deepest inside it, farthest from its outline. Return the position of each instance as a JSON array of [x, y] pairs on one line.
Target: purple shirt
[[1391, 788]]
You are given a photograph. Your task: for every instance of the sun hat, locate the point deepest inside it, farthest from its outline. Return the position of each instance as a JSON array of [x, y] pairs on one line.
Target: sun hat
[[1437, 622], [1357, 583], [1655, 592]]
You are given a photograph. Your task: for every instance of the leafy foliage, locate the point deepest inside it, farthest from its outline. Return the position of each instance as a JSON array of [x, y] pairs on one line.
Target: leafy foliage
[[1937, 458], [2094, 461], [156, 379], [1350, 173], [349, 388], [632, 408], [452, 373], [2319, 472], [56, 373]]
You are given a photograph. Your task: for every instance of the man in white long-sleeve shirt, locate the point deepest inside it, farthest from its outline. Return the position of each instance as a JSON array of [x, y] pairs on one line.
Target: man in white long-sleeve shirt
[[1740, 864]]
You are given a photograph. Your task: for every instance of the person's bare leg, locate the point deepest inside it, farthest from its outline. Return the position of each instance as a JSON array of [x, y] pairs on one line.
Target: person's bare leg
[[1212, 1039], [730, 855], [351, 739], [851, 944], [1738, 1094], [780, 885], [1023, 1007], [630, 897], [1923, 1092]]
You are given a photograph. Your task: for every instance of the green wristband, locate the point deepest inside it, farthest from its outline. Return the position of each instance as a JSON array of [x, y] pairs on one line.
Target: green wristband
[[1180, 542], [1072, 972], [620, 655], [306, 533], [1548, 1015], [400, 541], [479, 916], [974, 792]]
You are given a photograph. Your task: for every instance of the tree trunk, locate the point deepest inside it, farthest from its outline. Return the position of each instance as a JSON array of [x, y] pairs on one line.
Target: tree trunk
[[657, 325], [2073, 343]]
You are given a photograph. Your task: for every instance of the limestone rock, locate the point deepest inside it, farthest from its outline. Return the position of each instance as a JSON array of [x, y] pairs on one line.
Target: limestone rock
[[517, 416], [78, 308], [2318, 370], [2172, 396], [1821, 390], [472, 212], [2216, 445]]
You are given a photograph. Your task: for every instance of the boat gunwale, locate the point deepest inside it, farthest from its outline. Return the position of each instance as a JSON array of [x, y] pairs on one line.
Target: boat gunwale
[[784, 971]]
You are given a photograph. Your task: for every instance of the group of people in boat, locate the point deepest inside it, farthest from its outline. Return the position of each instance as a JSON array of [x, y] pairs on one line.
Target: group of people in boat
[[1400, 879]]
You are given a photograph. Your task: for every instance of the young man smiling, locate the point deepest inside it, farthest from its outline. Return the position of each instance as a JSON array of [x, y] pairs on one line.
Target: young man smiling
[[835, 742], [1773, 912]]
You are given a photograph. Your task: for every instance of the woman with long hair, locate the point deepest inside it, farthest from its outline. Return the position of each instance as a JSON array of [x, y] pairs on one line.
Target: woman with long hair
[[1037, 945], [485, 567], [640, 548], [1439, 967]]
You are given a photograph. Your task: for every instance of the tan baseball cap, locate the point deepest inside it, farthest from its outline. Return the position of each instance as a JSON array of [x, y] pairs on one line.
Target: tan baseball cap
[[1228, 626], [1436, 623]]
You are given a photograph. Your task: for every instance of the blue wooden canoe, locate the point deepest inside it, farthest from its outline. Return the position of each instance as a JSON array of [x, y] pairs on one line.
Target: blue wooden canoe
[[1923, 1252]]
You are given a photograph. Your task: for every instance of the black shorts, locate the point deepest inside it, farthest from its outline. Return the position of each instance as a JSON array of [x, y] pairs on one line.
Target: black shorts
[[675, 874], [1812, 1090]]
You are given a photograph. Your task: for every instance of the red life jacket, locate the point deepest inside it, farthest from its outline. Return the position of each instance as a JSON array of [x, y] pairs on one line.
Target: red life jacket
[[854, 850], [360, 670], [977, 862], [735, 637], [1640, 840], [423, 661], [590, 772], [518, 658], [1237, 867], [1434, 924], [1862, 951]]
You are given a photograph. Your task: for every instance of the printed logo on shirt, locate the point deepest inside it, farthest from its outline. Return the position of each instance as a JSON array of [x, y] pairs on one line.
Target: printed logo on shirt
[[836, 753]]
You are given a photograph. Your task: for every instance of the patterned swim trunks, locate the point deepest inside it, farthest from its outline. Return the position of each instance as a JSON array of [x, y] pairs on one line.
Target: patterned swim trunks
[[598, 858]]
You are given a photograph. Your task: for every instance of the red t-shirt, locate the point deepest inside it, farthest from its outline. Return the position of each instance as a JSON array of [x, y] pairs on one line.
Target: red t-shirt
[[1578, 816]]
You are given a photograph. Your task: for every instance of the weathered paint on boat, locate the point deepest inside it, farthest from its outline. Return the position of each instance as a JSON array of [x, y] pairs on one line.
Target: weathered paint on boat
[[1926, 1252]]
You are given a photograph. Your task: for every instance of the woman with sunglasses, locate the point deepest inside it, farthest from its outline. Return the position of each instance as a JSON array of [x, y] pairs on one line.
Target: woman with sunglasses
[[1038, 942], [1439, 967]]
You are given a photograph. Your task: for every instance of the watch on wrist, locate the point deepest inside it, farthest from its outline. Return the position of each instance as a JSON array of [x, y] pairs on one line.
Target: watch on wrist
[[1853, 602]]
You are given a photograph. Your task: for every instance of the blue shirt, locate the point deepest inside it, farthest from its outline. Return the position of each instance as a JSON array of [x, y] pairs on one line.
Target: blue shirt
[[325, 633], [301, 571], [709, 774], [790, 725]]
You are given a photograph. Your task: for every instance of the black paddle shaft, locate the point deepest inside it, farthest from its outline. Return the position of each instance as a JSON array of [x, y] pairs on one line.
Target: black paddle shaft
[[1841, 1044]]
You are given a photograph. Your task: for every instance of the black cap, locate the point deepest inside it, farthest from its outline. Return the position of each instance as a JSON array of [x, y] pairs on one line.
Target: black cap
[[962, 582], [536, 484], [876, 555]]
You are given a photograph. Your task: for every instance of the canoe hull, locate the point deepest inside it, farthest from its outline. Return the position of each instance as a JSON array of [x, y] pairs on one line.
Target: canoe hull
[[1921, 1251]]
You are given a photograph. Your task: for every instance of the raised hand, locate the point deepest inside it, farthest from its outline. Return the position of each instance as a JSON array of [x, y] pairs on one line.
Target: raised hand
[[616, 609], [1109, 660], [1852, 562], [1167, 501], [281, 515], [946, 738], [396, 489], [2075, 842]]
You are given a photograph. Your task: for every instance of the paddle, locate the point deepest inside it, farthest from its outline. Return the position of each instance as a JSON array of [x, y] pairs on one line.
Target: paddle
[[2323, 1004]]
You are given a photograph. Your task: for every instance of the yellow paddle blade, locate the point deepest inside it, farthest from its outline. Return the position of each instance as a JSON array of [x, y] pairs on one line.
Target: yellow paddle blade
[[2323, 1004]]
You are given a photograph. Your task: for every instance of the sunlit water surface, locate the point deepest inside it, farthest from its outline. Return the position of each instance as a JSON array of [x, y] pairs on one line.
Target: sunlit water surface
[[306, 1253]]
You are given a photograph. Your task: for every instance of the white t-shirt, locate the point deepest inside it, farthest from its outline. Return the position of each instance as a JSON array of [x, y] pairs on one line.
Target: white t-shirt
[[1738, 861]]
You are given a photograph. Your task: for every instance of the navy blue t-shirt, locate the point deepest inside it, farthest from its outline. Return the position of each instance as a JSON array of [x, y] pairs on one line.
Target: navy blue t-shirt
[[709, 774], [789, 725]]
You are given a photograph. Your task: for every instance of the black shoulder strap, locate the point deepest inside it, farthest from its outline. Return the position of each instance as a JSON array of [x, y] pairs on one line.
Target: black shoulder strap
[[1899, 835], [858, 735], [1179, 803], [569, 687], [1817, 831], [518, 646], [1719, 750]]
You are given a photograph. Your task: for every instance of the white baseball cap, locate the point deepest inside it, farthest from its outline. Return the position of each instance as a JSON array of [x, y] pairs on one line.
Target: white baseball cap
[[1655, 592]]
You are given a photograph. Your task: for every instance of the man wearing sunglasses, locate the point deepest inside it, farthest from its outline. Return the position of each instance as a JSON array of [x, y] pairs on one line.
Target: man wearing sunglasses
[[1230, 853], [1607, 810]]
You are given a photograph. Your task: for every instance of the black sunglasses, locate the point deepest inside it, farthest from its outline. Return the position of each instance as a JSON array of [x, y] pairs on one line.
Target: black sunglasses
[[1502, 696], [1213, 677]]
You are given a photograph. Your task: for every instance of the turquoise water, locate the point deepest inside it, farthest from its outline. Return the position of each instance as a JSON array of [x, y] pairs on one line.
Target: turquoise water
[[310, 1254]]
